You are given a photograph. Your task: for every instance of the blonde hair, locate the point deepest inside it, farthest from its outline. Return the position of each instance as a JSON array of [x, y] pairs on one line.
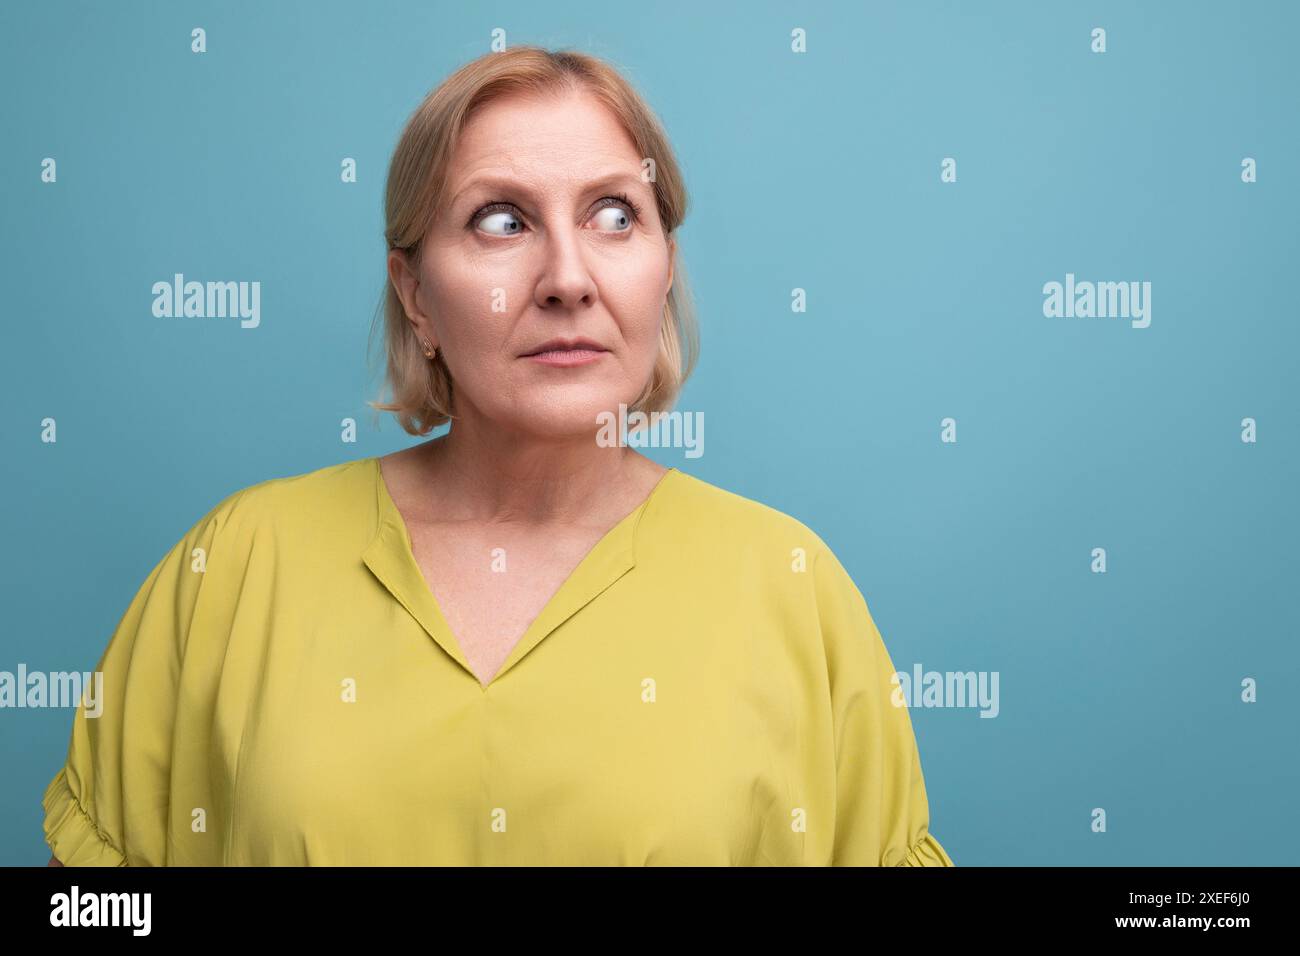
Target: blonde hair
[[417, 178]]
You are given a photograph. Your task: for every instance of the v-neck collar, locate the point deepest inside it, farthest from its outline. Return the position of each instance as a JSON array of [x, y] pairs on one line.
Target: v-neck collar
[[390, 557]]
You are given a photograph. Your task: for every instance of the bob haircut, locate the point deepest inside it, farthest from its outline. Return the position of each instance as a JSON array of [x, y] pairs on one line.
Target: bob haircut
[[422, 389]]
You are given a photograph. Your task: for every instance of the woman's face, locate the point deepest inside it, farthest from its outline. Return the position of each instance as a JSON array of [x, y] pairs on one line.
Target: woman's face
[[532, 245]]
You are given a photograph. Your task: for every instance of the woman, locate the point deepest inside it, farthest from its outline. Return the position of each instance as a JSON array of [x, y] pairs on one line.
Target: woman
[[515, 644]]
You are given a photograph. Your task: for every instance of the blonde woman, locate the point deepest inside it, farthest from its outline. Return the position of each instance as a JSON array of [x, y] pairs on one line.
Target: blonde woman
[[515, 644]]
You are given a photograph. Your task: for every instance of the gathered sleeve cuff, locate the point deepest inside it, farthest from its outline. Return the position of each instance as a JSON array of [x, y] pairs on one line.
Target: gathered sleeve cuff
[[72, 835], [927, 852]]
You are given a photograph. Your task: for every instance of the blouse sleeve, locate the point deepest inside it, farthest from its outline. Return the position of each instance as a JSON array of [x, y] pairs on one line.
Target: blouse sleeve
[[882, 816], [108, 804]]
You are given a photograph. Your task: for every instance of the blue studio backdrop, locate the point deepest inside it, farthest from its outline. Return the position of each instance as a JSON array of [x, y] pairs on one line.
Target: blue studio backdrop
[[926, 241]]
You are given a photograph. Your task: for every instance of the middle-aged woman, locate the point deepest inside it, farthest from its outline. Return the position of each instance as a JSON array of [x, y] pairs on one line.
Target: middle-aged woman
[[517, 643]]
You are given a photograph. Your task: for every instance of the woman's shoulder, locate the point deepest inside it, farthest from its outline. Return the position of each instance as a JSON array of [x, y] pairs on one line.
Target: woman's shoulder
[[322, 499], [712, 513], [731, 541], [329, 484]]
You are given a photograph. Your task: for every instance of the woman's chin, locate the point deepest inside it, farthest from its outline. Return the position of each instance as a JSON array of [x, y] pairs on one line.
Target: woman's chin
[[567, 416]]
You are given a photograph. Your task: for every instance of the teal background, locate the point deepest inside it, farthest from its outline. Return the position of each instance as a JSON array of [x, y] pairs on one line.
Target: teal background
[[819, 171]]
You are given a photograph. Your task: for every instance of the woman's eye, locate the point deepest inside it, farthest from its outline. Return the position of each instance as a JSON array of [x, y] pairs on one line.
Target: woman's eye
[[500, 223], [613, 219]]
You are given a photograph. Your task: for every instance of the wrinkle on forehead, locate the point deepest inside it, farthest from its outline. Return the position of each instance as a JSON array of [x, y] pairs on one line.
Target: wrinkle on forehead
[[511, 139]]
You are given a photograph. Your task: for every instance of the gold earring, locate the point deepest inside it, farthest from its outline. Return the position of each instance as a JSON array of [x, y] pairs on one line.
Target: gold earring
[[427, 352]]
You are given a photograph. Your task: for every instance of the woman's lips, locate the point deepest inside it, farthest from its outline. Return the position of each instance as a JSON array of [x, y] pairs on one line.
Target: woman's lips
[[564, 358]]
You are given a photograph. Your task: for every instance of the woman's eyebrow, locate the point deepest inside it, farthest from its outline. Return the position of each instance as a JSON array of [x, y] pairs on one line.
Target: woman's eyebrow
[[501, 183]]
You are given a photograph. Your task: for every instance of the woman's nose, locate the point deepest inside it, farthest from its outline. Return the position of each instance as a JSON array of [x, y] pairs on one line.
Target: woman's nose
[[566, 280]]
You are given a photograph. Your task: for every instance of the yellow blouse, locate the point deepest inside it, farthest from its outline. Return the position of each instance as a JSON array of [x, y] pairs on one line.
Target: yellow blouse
[[706, 688]]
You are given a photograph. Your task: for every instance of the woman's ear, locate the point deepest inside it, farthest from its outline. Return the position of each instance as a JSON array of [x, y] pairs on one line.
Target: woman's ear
[[406, 283]]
